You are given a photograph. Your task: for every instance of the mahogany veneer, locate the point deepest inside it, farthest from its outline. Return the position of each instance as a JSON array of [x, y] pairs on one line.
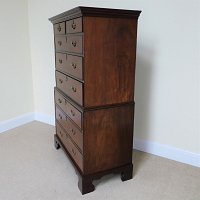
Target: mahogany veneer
[[95, 51]]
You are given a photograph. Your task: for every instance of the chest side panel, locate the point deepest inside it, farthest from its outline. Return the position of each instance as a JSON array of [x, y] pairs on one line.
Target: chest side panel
[[108, 138], [109, 60]]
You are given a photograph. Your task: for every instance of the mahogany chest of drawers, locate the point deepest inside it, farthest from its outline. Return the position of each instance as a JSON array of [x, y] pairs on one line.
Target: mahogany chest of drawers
[[95, 50]]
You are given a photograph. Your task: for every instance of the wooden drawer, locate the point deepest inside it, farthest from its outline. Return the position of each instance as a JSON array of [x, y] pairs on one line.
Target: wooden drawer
[[70, 43], [70, 86], [70, 110], [61, 43], [75, 44], [61, 118], [74, 25], [62, 134], [76, 155], [61, 81], [70, 128], [61, 61], [59, 28], [71, 148], [69, 64]]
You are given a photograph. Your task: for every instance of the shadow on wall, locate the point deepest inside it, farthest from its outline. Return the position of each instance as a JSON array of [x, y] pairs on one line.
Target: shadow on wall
[[143, 91]]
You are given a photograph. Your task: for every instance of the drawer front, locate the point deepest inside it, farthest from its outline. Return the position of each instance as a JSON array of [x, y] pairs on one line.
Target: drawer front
[[70, 128], [70, 110], [61, 43], [75, 90], [62, 134], [74, 25], [62, 118], [69, 43], [75, 134], [59, 28], [76, 155], [61, 61], [61, 81], [69, 64], [70, 87], [71, 148], [75, 44]]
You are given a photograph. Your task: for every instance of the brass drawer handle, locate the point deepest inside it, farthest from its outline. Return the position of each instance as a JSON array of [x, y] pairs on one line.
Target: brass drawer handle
[[73, 152], [73, 113], [73, 25], [73, 131], [61, 134], [59, 28], [73, 89], [59, 100], [60, 116], [61, 81], [74, 43], [60, 43], [60, 61], [74, 65]]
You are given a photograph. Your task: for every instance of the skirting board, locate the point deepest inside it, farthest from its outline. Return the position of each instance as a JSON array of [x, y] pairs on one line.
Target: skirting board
[[146, 146], [48, 119], [24, 119], [169, 152], [15, 122]]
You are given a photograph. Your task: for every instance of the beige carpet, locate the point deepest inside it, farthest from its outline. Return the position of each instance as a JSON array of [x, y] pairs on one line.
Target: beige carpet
[[31, 169]]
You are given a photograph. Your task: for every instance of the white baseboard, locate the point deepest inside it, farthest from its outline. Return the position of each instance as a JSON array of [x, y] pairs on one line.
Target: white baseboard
[[15, 122], [48, 119], [24, 119], [168, 152]]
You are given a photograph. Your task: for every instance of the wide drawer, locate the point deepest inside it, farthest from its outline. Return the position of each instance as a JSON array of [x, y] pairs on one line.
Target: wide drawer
[[71, 43], [69, 64], [70, 110], [70, 86], [59, 28], [70, 128], [71, 148], [74, 25]]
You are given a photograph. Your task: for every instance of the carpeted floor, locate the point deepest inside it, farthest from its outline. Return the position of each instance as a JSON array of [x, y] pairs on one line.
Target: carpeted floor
[[32, 169]]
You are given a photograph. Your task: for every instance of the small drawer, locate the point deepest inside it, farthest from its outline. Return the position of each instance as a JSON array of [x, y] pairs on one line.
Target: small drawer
[[61, 43], [74, 25], [70, 128], [61, 61], [69, 64], [72, 44], [70, 86], [70, 110], [59, 28]]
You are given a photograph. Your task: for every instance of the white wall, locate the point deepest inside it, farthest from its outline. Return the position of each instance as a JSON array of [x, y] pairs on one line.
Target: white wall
[[16, 93], [198, 107], [167, 76]]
